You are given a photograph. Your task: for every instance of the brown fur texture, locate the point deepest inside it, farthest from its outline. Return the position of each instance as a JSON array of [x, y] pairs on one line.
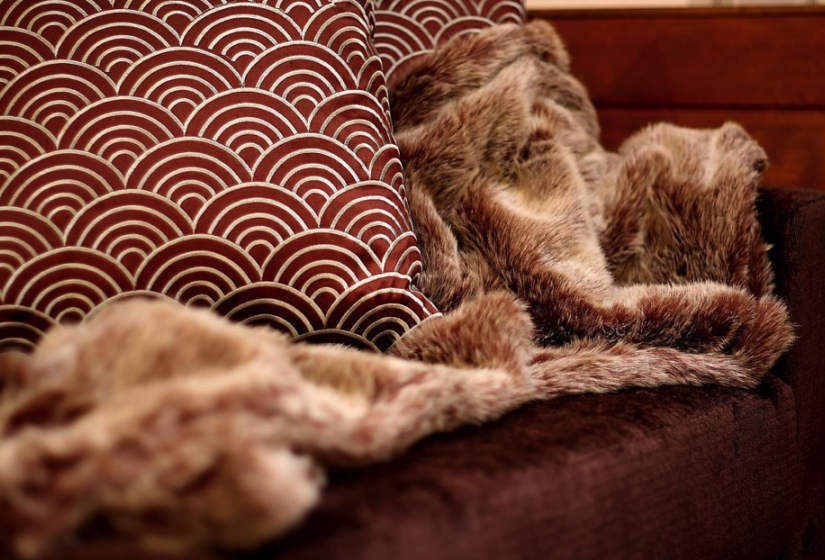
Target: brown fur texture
[[181, 429], [561, 269], [653, 254]]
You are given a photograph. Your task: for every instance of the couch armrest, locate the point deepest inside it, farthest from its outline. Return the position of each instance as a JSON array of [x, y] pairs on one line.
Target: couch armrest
[[794, 223]]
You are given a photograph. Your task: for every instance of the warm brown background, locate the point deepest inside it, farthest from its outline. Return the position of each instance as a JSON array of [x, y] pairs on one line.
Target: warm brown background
[[762, 67]]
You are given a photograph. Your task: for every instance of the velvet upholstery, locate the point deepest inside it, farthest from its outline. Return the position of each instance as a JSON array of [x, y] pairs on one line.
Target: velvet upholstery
[[675, 473]]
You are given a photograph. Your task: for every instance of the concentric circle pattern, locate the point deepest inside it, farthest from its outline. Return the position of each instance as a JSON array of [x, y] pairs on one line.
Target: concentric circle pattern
[[405, 29], [234, 155]]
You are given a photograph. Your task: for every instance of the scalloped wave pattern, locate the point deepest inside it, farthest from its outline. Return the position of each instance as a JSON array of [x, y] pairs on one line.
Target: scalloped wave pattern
[[233, 155], [406, 29]]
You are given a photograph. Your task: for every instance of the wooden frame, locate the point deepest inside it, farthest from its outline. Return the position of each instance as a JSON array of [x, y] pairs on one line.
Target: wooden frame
[[763, 67]]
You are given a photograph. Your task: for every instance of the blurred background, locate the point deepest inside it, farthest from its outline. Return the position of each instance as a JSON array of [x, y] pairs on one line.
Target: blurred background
[[597, 4], [699, 63]]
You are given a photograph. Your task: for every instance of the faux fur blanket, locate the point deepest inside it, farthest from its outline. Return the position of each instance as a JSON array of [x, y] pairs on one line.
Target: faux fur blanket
[[561, 268]]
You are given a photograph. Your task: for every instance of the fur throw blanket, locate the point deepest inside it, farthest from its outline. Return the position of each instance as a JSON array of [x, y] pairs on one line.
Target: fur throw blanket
[[561, 268]]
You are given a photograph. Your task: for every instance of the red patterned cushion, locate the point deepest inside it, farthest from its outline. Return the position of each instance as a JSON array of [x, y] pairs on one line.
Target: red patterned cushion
[[405, 29], [231, 155]]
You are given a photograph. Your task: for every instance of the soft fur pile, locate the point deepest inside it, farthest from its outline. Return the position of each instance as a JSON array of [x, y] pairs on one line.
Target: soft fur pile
[[561, 268]]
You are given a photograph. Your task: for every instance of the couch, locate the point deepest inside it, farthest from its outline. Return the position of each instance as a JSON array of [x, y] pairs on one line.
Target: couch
[[674, 473]]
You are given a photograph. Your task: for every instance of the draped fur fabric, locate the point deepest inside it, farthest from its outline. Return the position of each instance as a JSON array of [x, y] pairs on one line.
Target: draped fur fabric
[[560, 268]]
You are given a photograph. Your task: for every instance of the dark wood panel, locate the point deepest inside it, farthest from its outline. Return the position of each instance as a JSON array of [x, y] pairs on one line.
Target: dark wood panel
[[698, 58], [794, 140], [776, 10]]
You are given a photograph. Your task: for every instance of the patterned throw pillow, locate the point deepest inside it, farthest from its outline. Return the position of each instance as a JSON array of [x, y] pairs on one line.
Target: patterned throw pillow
[[405, 29], [232, 155]]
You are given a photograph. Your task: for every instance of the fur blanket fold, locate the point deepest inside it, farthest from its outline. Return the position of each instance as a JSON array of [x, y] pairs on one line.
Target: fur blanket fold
[[561, 268]]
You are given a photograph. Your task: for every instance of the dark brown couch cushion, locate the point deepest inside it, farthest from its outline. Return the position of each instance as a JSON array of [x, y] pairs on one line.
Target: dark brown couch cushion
[[666, 474]]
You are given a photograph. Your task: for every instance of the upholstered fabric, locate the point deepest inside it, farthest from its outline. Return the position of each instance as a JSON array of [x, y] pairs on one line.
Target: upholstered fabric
[[404, 29], [232, 155], [676, 473]]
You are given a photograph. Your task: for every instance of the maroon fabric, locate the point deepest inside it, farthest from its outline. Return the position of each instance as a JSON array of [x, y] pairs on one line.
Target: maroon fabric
[[230, 155], [405, 29], [794, 223], [675, 473]]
